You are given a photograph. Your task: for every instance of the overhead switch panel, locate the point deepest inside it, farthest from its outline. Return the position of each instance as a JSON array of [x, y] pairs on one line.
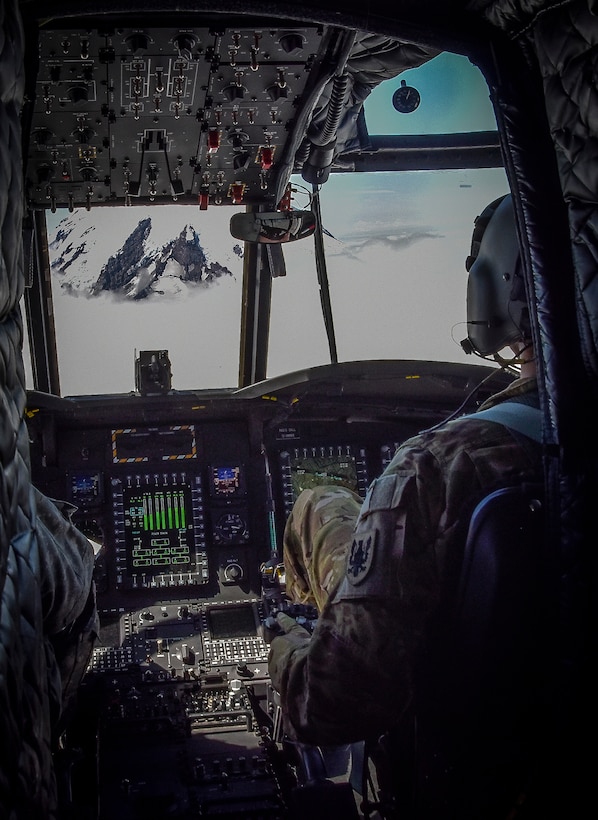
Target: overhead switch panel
[[155, 114]]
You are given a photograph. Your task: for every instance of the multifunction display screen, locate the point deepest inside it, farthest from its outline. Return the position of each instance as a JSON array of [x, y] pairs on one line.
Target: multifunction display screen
[[335, 466], [231, 622], [312, 471], [227, 481], [158, 529], [85, 488]]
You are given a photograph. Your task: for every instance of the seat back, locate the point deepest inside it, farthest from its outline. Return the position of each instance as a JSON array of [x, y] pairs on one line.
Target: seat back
[[27, 787], [501, 598], [491, 666], [480, 691]]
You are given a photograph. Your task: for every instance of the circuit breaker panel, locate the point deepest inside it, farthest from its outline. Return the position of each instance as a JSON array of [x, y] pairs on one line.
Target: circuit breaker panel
[[152, 115]]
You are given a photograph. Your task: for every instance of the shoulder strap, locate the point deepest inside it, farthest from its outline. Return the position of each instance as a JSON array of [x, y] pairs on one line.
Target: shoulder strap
[[522, 418]]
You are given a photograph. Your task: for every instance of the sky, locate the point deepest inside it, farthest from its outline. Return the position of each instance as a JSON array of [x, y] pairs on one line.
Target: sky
[[454, 98], [395, 264], [396, 270]]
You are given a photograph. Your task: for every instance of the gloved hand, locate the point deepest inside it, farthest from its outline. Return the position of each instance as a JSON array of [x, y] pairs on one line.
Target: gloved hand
[[291, 628], [294, 638]]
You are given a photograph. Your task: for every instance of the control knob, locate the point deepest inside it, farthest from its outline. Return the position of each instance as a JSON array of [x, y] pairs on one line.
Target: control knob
[[233, 573], [138, 42]]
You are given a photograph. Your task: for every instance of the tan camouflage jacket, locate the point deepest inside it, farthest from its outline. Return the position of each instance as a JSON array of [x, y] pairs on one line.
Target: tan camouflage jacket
[[354, 678]]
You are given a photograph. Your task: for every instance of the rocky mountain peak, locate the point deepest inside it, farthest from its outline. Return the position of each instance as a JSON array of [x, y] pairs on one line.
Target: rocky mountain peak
[[141, 267]]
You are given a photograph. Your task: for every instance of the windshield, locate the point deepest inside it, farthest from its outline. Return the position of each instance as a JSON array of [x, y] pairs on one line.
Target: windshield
[[145, 278], [131, 279], [453, 98], [395, 249]]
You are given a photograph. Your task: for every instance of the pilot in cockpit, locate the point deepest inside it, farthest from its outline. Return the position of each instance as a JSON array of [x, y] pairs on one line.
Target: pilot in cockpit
[[376, 568]]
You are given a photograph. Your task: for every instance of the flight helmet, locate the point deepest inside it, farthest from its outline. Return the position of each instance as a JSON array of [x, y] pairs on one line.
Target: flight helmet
[[497, 310]]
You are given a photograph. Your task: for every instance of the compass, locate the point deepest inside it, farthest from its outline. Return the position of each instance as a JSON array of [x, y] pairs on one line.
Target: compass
[[406, 98]]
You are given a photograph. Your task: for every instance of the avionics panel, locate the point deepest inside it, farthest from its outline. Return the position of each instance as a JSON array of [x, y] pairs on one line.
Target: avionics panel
[[175, 443], [85, 488], [227, 481], [185, 639], [159, 531], [335, 465], [228, 508], [230, 634]]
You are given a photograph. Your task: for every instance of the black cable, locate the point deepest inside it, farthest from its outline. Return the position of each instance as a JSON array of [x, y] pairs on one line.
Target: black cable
[[467, 398]]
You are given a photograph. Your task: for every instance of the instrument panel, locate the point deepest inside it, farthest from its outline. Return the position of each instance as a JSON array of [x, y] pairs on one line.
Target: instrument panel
[[192, 506], [185, 497], [174, 506]]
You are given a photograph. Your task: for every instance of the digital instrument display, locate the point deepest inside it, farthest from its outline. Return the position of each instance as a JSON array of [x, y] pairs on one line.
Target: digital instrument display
[[227, 481], [312, 471], [159, 531], [85, 488], [337, 466], [231, 622]]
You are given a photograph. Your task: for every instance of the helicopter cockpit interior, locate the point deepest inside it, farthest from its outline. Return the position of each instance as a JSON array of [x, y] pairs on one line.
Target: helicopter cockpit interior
[[244, 237]]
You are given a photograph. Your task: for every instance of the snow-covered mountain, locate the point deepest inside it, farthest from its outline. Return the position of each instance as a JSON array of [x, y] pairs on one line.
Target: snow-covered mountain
[[118, 251]]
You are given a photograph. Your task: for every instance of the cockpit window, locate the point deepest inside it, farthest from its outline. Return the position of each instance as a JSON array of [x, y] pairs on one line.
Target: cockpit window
[[129, 279], [446, 95], [395, 242], [126, 279], [395, 248]]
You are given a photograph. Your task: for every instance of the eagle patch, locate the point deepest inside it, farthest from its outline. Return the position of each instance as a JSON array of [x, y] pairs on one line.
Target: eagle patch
[[361, 557]]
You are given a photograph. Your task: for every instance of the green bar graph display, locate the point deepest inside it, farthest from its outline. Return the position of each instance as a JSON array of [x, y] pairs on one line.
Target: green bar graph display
[[159, 529]]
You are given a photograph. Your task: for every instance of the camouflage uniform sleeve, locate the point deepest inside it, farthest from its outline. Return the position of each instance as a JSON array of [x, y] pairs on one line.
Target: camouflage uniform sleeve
[[355, 675], [316, 538]]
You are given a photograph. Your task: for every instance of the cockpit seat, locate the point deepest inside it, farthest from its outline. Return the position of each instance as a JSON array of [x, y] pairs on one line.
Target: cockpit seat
[[472, 750], [27, 785]]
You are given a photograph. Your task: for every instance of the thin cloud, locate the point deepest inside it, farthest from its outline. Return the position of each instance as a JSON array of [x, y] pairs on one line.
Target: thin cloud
[[395, 241]]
